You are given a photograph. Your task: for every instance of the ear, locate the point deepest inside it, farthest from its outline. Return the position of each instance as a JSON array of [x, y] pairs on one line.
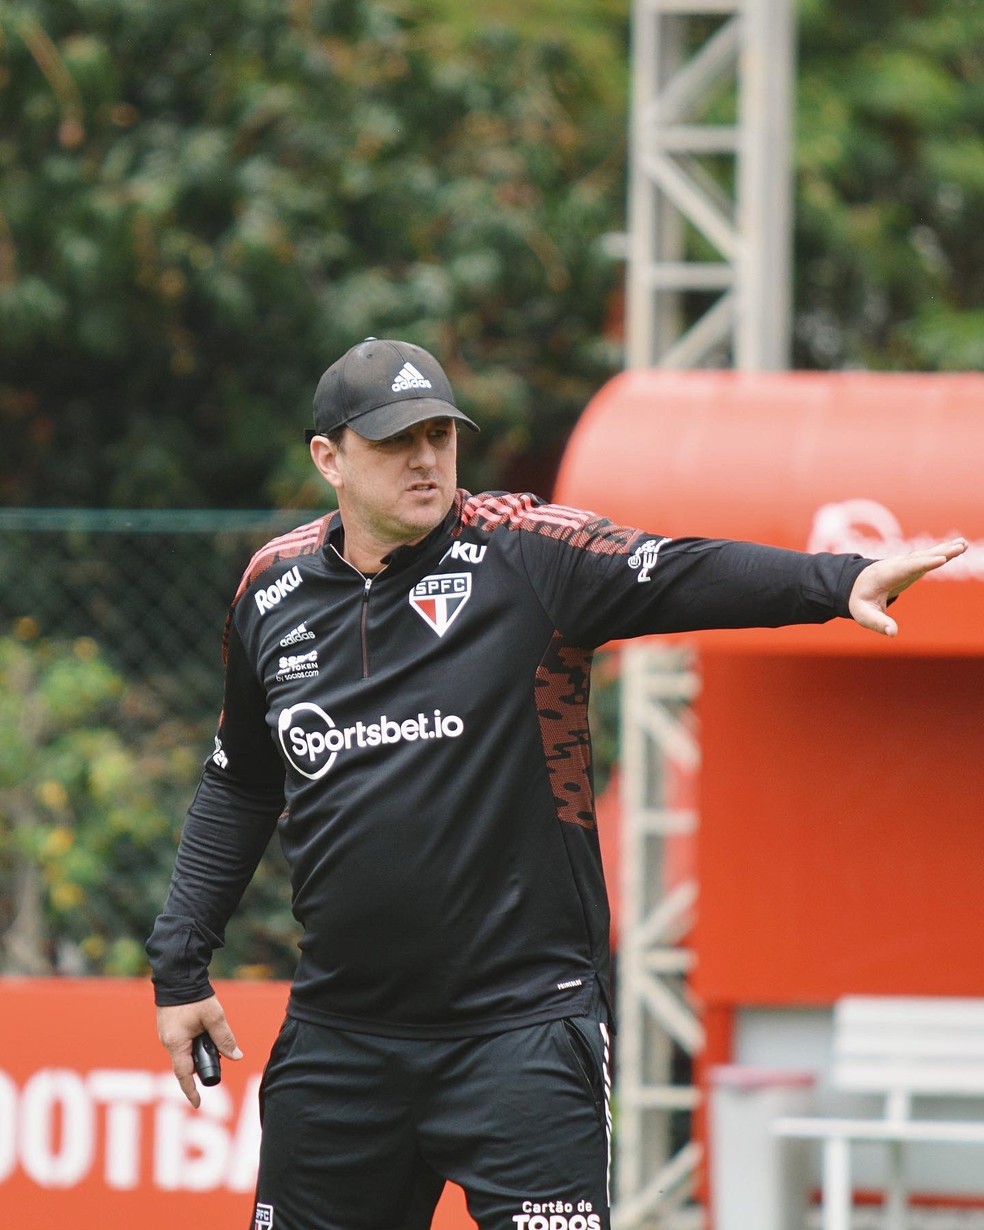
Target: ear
[[324, 454]]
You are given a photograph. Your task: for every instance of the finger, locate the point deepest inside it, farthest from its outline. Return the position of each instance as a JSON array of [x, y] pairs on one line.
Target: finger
[[184, 1071], [221, 1033], [925, 561], [871, 616], [952, 547], [190, 1090], [914, 568], [935, 557], [893, 575], [226, 1042]]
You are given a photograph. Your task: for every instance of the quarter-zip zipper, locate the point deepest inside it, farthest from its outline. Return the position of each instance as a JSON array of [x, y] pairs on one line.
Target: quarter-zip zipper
[[363, 626], [364, 615]]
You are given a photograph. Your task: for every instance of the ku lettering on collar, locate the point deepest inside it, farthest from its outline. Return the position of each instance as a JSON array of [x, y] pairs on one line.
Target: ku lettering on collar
[[644, 557], [469, 552]]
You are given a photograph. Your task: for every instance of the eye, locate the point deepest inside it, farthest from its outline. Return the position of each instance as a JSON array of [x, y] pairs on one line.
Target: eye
[[395, 443], [441, 431]]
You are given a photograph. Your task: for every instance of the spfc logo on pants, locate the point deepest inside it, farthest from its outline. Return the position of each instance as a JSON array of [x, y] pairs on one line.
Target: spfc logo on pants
[[263, 1217], [439, 599]]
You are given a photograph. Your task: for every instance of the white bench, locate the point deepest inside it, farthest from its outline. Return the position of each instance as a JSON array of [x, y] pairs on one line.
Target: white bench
[[901, 1048]]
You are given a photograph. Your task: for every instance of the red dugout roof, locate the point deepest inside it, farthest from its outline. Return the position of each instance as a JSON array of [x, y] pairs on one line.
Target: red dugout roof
[[875, 463]]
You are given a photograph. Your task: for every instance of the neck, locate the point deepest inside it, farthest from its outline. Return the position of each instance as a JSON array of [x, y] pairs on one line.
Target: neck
[[367, 553], [367, 546]]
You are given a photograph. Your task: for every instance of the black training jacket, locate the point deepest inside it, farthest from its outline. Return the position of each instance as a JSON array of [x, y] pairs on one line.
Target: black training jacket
[[423, 736]]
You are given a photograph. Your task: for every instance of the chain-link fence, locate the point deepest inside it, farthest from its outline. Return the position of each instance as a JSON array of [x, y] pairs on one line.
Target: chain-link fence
[[110, 686], [151, 588]]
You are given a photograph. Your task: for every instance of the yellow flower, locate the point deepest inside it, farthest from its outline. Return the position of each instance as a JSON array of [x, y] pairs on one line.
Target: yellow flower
[[52, 794], [66, 896], [27, 628], [93, 947], [254, 973], [86, 648], [58, 842]]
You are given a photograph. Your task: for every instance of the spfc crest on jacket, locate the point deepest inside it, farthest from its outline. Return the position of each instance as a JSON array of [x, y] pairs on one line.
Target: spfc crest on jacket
[[440, 598]]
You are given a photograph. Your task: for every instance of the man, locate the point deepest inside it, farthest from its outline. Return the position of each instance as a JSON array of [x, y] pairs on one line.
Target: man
[[409, 677]]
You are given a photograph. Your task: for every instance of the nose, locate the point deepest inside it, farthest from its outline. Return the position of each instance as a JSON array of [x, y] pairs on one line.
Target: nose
[[423, 454]]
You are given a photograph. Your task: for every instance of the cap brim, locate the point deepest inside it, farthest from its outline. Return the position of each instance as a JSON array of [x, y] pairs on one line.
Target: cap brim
[[386, 421]]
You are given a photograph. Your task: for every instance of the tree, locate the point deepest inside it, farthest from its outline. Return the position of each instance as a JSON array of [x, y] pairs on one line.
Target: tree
[[92, 776], [205, 204], [890, 167]]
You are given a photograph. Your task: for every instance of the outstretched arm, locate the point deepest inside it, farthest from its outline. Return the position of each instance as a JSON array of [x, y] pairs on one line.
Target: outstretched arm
[[887, 578]]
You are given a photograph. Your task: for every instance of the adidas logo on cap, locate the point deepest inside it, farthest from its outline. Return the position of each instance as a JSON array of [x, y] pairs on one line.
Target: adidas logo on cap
[[410, 378]]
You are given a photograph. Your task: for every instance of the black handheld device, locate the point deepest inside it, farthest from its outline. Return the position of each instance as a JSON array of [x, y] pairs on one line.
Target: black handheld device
[[205, 1054]]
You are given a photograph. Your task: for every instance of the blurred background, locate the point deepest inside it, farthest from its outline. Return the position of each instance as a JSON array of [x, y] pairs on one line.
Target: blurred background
[[203, 205]]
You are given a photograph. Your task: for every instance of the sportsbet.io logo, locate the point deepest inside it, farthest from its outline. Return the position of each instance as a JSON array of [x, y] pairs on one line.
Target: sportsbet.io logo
[[312, 742]]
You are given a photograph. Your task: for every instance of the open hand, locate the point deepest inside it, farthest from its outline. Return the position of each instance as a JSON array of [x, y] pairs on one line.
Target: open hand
[[887, 578]]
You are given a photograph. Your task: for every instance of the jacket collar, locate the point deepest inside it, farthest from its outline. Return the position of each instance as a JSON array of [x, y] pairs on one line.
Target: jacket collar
[[403, 557]]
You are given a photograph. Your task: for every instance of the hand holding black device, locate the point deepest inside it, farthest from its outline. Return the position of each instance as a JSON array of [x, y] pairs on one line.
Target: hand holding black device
[[205, 1054]]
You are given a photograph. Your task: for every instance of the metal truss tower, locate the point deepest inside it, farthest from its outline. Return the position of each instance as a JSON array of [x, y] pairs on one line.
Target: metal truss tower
[[709, 184], [656, 1159], [709, 276]]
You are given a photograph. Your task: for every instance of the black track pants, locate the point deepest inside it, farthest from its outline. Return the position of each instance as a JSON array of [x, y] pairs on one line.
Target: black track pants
[[361, 1132]]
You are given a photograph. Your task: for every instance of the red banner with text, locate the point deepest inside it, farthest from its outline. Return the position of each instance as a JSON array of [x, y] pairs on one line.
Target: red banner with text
[[94, 1131]]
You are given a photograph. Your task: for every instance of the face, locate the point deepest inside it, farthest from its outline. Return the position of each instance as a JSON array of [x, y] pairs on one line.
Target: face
[[392, 491]]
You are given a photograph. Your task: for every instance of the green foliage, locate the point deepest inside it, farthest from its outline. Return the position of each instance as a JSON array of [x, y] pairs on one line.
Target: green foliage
[[202, 205], [890, 252], [92, 780], [205, 204]]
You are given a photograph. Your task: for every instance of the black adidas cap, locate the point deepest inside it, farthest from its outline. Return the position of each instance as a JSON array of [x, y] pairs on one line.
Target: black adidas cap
[[381, 387]]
